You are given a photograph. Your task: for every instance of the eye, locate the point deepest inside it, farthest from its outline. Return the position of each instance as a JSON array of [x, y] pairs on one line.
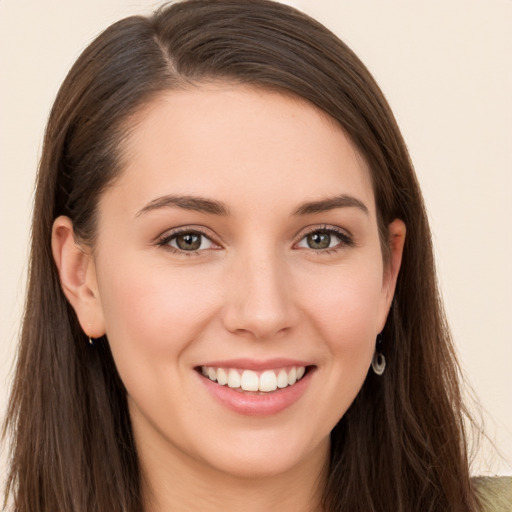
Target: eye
[[187, 241], [321, 239]]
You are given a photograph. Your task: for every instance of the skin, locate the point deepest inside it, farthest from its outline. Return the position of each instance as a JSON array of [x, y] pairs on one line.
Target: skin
[[256, 289]]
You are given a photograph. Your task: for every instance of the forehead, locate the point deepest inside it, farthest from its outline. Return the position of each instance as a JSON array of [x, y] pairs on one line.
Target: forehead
[[239, 144]]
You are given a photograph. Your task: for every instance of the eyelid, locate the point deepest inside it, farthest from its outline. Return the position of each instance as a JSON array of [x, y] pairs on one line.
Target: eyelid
[[164, 239], [344, 235]]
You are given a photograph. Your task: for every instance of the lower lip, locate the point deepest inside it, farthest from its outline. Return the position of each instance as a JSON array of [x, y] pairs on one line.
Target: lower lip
[[265, 404]]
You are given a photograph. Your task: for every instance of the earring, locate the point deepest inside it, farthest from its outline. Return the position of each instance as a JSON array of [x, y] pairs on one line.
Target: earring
[[378, 359], [91, 342]]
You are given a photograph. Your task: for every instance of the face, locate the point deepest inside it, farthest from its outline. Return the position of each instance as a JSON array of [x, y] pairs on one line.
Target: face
[[239, 278]]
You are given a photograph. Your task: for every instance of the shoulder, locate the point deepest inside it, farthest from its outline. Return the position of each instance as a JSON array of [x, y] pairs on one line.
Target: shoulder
[[495, 493]]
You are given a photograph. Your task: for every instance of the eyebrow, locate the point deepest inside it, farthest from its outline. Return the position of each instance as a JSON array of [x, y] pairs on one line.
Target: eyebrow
[[213, 207], [331, 203], [198, 204]]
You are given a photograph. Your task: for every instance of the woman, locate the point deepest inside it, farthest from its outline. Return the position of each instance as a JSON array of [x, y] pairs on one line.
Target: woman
[[232, 297]]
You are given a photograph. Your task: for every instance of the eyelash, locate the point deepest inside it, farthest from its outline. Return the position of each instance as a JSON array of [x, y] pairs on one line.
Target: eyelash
[[166, 239], [345, 238]]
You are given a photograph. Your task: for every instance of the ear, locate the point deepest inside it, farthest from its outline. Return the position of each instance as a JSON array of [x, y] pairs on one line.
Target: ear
[[77, 274], [396, 241]]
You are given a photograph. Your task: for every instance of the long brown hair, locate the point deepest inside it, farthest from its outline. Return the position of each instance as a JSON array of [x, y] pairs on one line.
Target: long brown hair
[[401, 446]]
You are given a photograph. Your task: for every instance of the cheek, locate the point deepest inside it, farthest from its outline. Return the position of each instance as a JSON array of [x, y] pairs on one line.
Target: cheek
[[346, 307], [346, 315], [153, 310]]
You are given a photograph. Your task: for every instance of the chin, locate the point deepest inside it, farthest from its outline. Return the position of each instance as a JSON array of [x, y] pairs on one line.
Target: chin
[[263, 458]]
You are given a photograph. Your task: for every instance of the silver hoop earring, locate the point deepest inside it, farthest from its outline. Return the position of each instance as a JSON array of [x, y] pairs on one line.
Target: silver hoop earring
[[378, 363], [378, 359]]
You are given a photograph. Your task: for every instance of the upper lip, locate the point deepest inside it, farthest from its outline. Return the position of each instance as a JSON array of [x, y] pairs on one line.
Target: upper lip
[[255, 364]]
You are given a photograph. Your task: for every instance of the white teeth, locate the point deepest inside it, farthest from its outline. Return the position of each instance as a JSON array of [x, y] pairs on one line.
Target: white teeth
[[249, 380], [222, 377], [233, 379], [292, 376], [212, 374], [282, 379], [268, 381]]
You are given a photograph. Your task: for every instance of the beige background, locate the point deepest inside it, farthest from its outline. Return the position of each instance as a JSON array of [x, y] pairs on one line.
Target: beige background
[[444, 65]]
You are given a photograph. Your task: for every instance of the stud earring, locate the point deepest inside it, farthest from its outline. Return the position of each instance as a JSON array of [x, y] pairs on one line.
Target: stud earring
[[378, 359]]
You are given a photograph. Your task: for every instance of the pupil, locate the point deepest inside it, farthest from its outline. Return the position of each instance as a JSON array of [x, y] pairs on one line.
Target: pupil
[[319, 240], [189, 242]]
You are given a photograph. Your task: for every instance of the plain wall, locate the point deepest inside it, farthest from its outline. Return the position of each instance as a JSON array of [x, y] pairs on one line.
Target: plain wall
[[445, 67]]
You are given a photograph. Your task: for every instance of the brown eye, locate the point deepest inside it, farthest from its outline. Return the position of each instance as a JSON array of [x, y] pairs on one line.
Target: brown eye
[[325, 238], [189, 241], [319, 240]]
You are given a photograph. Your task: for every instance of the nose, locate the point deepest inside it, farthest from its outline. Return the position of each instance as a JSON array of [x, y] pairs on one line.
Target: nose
[[260, 299]]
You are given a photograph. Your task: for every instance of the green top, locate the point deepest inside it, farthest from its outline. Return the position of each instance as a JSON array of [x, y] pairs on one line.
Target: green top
[[495, 493]]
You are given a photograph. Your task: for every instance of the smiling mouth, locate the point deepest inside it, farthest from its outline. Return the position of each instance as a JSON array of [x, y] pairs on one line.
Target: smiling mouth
[[266, 381]]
